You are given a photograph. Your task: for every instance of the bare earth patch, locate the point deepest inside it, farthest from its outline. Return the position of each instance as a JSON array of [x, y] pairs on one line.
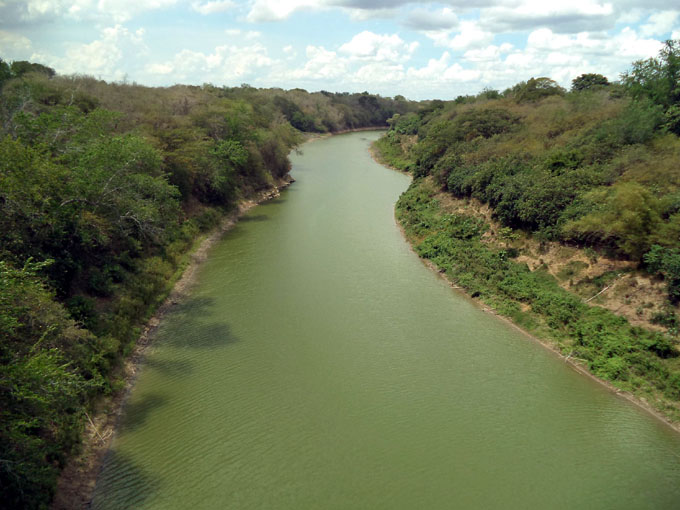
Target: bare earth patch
[[610, 283]]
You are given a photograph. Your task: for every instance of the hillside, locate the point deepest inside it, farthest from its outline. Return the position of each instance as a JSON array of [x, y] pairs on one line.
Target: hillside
[[560, 210]]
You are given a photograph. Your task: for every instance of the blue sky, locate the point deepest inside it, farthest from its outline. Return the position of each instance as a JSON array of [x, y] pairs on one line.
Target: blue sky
[[421, 50]]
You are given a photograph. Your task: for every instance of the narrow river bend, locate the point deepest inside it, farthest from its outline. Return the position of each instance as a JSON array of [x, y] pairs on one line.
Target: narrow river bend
[[320, 365]]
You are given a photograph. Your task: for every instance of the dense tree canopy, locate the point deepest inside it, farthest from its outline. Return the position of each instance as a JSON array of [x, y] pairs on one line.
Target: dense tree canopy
[[589, 81]]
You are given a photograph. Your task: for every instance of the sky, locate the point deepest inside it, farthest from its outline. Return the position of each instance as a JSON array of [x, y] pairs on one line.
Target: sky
[[421, 50]]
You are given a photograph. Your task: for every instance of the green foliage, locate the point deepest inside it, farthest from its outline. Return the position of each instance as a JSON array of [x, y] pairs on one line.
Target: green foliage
[[582, 167], [588, 81], [665, 262], [405, 124], [657, 78], [21, 67], [48, 367], [625, 217], [535, 89], [611, 347], [483, 123]]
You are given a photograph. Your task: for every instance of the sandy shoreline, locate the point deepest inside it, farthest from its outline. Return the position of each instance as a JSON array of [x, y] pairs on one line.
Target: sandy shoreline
[[551, 346], [76, 484]]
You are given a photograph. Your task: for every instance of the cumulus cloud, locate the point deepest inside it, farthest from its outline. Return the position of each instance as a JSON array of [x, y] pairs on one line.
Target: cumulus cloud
[[379, 48], [276, 10], [422, 19], [212, 7], [560, 17], [119, 11], [469, 34], [661, 23], [101, 57], [14, 46], [322, 64], [248, 35], [561, 57], [224, 64]]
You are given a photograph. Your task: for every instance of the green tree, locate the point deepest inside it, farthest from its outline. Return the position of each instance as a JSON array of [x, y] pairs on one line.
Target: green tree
[[48, 367], [625, 218], [535, 89], [589, 81], [658, 78]]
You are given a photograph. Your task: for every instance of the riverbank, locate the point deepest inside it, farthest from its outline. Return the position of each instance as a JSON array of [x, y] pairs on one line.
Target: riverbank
[[77, 481], [662, 408], [301, 369]]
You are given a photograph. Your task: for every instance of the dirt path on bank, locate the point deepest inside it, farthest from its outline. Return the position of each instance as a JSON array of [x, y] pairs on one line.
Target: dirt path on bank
[[76, 484]]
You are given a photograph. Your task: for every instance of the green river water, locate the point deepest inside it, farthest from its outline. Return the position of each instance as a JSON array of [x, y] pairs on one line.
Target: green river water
[[318, 364]]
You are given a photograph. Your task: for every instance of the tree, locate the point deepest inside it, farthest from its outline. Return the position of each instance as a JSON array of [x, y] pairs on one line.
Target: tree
[[5, 72], [21, 67], [48, 366], [589, 81], [535, 89], [658, 79], [625, 217]]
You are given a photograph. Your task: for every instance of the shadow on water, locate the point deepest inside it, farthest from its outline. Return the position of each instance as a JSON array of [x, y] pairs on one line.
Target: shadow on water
[[202, 336], [136, 413], [122, 484], [254, 217], [192, 326], [170, 368]]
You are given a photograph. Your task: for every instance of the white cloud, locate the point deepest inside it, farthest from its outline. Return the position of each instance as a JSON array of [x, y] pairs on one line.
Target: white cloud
[[213, 7], [433, 70], [102, 57], [563, 17], [117, 11], [225, 64], [124, 10], [248, 35], [469, 35], [160, 69], [321, 64], [370, 46], [356, 14], [14, 46], [378, 73], [422, 19], [630, 16], [562, 57], [491, 53], [276, 10], [660, 23]]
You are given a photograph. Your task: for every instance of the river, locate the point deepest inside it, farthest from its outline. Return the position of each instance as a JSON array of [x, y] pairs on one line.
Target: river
[[318, 364]]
